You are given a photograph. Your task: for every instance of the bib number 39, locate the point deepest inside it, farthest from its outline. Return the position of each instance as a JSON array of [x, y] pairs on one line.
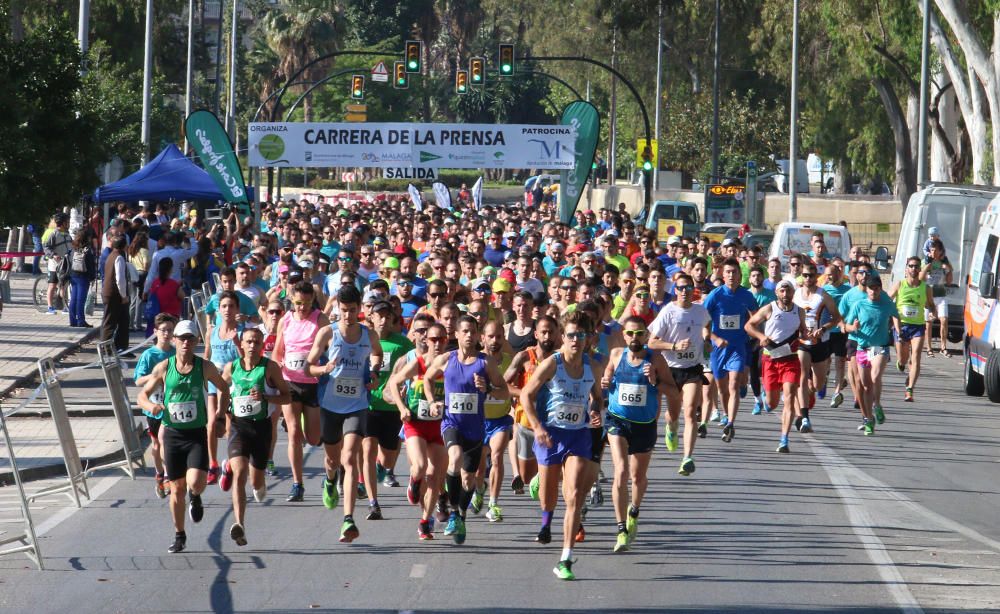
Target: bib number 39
[[244, 407]]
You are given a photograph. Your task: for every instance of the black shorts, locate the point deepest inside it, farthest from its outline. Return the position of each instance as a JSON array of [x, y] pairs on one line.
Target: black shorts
[[838, 344], [153, 427], [384, 426], [818, 352], [333, 426], [250, 439], [184, 449], [686, 375], [53, 278], [304, 394], [851, 347], [641, 436], [472, 449], [598, 439]]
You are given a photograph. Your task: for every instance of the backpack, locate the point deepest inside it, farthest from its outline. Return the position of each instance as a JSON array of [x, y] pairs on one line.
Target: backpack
[[79, 261], [63, 268]]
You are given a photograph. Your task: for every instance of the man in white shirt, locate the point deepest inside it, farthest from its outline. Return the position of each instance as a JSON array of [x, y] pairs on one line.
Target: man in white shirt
[[173, 250]]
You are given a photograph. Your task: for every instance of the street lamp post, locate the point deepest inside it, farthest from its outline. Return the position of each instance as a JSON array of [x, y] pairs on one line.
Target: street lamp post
[[793, 146], [659, 86], [189, 80], [715, 98], [147, 82], [924, 83]]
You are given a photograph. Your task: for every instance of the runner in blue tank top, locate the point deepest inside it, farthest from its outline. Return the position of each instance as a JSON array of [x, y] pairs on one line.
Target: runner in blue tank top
[[220, 348], [635, 378], [469, 375], [347, 358], [561, 400]]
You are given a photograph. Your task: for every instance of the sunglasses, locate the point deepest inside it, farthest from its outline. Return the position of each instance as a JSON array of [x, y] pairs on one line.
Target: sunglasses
[[794, 264], [684, 288], [478, 314], [274, 312], [404, 283], [578, 336], [566, 288], [345, 259], [634, 333], [642, 294], [367, 253], [809, 275], [436, 294], [913, 266]]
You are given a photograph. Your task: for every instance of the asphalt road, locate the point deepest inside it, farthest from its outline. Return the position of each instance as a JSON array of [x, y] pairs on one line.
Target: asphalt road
[[903, 521]]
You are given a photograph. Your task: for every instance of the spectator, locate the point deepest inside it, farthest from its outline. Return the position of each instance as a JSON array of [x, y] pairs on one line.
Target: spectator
[[138, 257], [166, 291], [56, 244], [83, 271], [115, 295]]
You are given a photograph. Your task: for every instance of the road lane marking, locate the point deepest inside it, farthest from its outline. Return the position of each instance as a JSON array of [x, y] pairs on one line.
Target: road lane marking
[[418, 570], [56, 519], [840, 471]]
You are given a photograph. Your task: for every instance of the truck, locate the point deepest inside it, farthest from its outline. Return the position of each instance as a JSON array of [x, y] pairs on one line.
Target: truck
[[981, 318]]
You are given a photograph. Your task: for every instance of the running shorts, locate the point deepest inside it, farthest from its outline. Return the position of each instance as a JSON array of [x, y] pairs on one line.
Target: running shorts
[[153, 427], [838, 344], [333, 426], [497, 425], [778, 372], [472, 449], [428, 430], [565, 443], [384, 426], [727, 360], [184, 449], [598, 439], [818, 352], [641, 436], [304, 393], [687, 375], [250, 439], [910, 331]]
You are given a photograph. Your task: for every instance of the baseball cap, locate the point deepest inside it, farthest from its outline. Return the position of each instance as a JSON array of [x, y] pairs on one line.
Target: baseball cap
[[508, 275], [305, 264], [577, 249], [185, 327], [371, 297], [728, 242], [784, 282], [391, 263], [933, 231], [677, 241], [283, 268], [315, 221], [480, 284], [501, 285]]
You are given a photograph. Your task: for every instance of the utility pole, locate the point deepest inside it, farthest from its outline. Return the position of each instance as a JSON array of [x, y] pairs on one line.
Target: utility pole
[[659, 90], [147, 82], [613, 132], [715, 99], [793, 147], [218, 60], [924, 84], [189, 81], [83, 31], [231, 112]]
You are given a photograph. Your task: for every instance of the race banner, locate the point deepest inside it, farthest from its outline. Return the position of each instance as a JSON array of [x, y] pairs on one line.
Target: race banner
[[415, 197], [400, 145], [477, 193], [585, 120], [210, 141], [441, 195]]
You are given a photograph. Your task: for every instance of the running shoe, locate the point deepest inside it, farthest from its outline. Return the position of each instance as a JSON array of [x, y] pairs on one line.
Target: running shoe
[[621, 542], [544, 535], [477, 502], [837, 399], [798, 423], [374, 512], [494, 514], [195, 509], [424, 531], [180, 542], [821, 393], [743, 392], [161, 492], [763, 403], [715, 416], [632, 527], [861, 426], [533, 487], [596, 496], [899, 366], [671, 440], [441, 514], [581, 535], [260, 493], [349, 531], [879, 414], [51, 311], [380, 472], [271, 471], [452, 524], [226, 477], [728, 432], [413, 492], [687, 466], [459, 535], [362, 491], [297, 494], [213, 475], [390, 481], [702, 430], [807, 426], [564, 570], [238, 534], [908, 395], [783, 446], [869, 427], [517, 485], [758, 407], [723, 420], [330, 496]]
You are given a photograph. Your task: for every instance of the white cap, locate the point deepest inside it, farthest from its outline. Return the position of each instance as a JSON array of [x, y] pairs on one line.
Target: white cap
[[784, 282], [933, 231], [479, 282], [316, 221], [185, 327], [674, 241], [728, 242]]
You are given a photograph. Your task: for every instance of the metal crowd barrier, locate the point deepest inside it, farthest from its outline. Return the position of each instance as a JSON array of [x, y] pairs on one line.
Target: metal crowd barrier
[[198, 303], [122, 406], [75, 476], [26, 536]]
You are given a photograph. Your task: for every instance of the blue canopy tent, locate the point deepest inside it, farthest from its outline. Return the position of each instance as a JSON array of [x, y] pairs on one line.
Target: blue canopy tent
[[168, 176]]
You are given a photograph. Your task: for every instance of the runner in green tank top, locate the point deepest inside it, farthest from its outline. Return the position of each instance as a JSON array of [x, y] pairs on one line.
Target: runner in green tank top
[[249, 424], [185, 416], [913, 296]]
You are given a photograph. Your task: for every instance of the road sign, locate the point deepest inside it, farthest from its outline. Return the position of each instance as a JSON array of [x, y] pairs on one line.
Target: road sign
[[348, 177], [668, 228], [380, 73], [410, 173], [356, 117], [357, 108], [640, 147]]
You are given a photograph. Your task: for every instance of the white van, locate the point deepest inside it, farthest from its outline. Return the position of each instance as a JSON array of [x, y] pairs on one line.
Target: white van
[[955, 210], [981, 317], [793, 238]]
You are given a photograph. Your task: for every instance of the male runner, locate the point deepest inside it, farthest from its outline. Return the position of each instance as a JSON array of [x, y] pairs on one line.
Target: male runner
[[836, 286], [185, 416], [249, 424], [814, 346], [635, 378], [763, 296], [869, 319], [912, 296], [499, 428], [161, 350]]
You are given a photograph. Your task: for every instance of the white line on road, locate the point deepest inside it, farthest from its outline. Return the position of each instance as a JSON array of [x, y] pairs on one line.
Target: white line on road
[[418, 570], [96, 491], [840, 471]]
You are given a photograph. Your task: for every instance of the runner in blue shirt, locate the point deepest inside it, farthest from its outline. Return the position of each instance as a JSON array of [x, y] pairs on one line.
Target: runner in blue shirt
[[868, 321], [730, 306]]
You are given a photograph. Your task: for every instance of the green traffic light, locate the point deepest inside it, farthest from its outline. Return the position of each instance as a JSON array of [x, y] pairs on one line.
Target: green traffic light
[[401, 81], [647, 165], [413, 64], [505, 68]]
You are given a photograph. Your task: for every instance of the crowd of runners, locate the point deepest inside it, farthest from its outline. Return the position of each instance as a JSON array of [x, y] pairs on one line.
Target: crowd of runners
[[505, 351]]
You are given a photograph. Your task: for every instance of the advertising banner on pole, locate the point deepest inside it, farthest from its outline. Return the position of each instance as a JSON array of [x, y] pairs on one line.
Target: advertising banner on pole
[[415, 197], [207, 137], [586, 122], [399, 145], [477, 194], [441, 195], [725, 204]]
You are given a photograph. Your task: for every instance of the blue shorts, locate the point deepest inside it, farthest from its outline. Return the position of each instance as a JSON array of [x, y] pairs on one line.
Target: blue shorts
[[498, 425], [565, 443], [728, 359], [909, 331]]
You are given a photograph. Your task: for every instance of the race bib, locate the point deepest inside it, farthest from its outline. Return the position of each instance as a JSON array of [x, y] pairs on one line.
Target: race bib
[[296, 361], [348, 387], [908, 311], [782, 351], [687, 355], [463, 403], [632, 395], [424, 411], [568, 416], [245, 406], [184, 412], [157, 397], [729, 322]]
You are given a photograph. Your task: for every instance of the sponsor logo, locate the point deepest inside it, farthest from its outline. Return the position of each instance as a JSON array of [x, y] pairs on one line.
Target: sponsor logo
[[426, 156], [267, 128], [271, 146]]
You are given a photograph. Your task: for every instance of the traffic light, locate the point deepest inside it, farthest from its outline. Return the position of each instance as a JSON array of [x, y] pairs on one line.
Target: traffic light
[[358, 87], [401, 80], [462, 82], [477, 70], [413, 54], [506, 60], [647, 159]]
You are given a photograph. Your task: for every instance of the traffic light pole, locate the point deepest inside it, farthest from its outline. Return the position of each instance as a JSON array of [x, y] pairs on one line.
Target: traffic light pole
[[554, 78]]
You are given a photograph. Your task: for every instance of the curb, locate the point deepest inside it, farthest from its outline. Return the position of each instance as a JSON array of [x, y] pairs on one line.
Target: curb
[[58, 466], [26, 380]]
